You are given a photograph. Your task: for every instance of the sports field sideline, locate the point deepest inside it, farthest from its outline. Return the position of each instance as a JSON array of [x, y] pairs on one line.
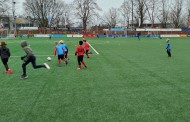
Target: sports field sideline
[[127, 80]]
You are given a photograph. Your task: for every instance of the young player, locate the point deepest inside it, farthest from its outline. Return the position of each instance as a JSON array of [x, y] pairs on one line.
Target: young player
[[80, 53], [138, 35], [168, 47], [65, 49], [5, 54], [86, 47], [59, 50], [29, 57]]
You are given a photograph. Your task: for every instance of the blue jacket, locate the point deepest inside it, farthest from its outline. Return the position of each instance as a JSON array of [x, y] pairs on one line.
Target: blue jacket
[[168, 46]]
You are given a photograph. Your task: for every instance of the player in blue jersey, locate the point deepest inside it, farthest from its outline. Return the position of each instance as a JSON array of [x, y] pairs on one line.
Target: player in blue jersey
[[168, 47], [65, 49], [59, 50]]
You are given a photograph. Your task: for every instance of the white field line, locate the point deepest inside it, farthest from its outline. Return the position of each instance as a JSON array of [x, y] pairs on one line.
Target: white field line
[[94, 49]]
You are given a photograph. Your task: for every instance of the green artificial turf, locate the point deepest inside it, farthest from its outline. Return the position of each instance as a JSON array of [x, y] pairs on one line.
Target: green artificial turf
[[130, 80]]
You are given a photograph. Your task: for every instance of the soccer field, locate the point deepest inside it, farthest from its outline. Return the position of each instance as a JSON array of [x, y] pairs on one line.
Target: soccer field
[[127, 80]]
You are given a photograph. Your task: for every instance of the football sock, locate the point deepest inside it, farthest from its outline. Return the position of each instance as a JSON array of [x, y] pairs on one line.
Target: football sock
[[59, 61], [84, 63]]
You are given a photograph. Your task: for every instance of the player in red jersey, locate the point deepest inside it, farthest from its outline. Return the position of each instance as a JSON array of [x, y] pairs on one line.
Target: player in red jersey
[[80, 53], [86, 47]]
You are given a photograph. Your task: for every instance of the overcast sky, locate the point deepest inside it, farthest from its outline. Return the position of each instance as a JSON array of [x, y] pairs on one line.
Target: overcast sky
[[104, 4]]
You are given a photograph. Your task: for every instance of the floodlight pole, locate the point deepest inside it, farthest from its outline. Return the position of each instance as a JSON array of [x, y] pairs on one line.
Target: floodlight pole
[[132, 13], [65, 21], [14, 17]]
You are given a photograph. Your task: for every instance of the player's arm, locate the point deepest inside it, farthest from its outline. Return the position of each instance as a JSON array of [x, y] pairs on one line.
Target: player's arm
[[84, 50], [167, 46], [55, 50], [8, 52], [66, 48]]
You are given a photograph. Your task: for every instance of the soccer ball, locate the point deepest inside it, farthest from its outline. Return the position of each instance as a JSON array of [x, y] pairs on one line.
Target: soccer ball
[[49, 58]]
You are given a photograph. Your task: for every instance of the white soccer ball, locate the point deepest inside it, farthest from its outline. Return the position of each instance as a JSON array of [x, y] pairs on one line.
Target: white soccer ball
[[49, 58]]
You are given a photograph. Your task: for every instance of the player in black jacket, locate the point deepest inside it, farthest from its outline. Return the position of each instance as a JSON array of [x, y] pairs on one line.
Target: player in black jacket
[[5, 54]]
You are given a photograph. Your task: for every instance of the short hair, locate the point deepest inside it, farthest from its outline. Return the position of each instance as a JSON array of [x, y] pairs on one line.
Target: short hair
[[80, 42], [3, 43], [61, 42]]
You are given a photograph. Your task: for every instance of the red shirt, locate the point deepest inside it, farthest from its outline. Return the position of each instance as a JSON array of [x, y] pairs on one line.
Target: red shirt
[[79, 50], [86, 46]]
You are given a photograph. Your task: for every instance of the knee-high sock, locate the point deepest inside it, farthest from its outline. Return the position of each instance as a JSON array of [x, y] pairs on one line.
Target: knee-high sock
[[59, 61], [84, 63]]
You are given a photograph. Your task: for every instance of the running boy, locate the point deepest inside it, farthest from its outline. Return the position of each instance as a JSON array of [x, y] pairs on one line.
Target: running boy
[[59, 50], [29, 57], [80, 53], [5, 54], [168, 47], [65, 49], [86, 47]]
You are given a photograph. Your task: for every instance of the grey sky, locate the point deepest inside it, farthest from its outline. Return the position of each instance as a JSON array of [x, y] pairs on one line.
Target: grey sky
[[104, 4]]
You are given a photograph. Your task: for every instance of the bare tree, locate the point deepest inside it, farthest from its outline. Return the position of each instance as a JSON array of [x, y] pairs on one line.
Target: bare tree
[[85, 10], [46, 12], [126, 11], [4, 7], [152, 9], [187, 16], [176, 13], [164, 11], [140, 15], [111, 17]]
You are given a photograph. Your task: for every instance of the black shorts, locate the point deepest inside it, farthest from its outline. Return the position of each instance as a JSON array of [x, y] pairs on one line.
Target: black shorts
[[87, 51], [80, 59], [61, 56]]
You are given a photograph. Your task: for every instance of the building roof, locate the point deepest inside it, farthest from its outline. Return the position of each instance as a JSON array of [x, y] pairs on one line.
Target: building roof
[[21, 21]]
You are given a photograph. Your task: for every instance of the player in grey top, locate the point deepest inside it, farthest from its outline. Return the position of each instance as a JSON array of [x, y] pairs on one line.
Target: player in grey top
[[29, 57]]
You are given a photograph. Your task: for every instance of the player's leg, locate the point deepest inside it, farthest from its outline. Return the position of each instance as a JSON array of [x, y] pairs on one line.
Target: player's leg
[[66, 55], [24, 75], [87, 53], [5, 63], [33, 61], [83, 61], [79, 62], [59, 59], [63, 58], [169, 53]]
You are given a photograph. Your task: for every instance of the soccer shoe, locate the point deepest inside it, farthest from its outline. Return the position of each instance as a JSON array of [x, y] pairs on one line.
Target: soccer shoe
[[78, 68], [24, 76], [47, 66], [9, 71]]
